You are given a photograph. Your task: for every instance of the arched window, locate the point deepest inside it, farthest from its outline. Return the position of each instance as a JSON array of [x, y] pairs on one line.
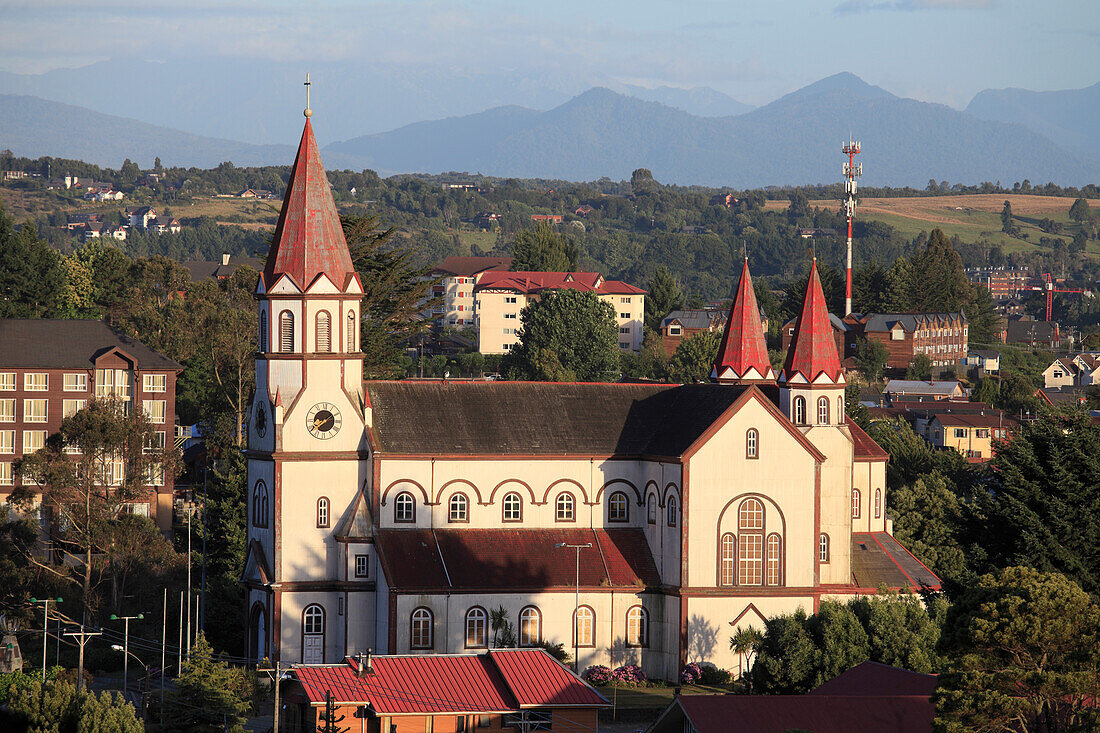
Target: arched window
[[822, 410], [725, 561], [530, 626], [257, 633], [513, 507], [750, 542], [459, 509], [651, 509], [351, 331], [322, 512], [800, 410], [617, 508], [323, 336], [823, 548], [404, 507], [752, 443], [259, 504], [263, 331], [313, 634], [839, 410], [475, 628], [673, 515], [637, 627], [584, 630], [563, 507], [855, 504], [773, 572], [420, 629], [878, 503], [286, 332]]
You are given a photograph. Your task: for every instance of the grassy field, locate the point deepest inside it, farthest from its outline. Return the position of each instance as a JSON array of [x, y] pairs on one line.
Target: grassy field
[[478, 241]]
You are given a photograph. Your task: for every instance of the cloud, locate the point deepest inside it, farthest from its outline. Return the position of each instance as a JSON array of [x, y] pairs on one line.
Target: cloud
[[864, 6]]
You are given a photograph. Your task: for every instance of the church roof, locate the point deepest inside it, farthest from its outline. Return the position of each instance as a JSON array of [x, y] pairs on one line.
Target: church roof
[[743, 350], [866, 449], [469, 559], [308, 239], [880, 560], [813, 350], [543, 418]]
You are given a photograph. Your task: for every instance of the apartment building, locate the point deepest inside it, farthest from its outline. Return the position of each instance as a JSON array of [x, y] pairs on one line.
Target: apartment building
[[942, 337], [1002, 284], [50, 369], [501, 296], [458, 276]]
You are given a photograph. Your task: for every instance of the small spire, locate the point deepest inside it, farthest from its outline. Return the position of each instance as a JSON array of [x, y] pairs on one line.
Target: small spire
[[308, 112]]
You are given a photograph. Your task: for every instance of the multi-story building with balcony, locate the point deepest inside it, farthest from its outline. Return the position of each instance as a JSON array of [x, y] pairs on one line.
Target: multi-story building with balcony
[[51, 369], [942, 337], [457, 278]]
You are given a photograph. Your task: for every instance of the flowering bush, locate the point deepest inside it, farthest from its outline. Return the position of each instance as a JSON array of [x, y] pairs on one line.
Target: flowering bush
[[598, 675], [690, 674], [628, 675]]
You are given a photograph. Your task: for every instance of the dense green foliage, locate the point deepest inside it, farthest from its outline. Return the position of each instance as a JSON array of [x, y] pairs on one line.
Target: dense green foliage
[[567, 336], [210, 696], [1024, 651], [541, 249], [694, 357], [55, 706]]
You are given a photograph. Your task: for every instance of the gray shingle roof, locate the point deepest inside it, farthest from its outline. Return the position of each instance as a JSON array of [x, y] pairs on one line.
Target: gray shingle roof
[[908, 321], [913, 386], [69, 344]]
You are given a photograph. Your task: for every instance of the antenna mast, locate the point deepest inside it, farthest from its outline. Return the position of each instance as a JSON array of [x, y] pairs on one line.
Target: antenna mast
[[852, 170]]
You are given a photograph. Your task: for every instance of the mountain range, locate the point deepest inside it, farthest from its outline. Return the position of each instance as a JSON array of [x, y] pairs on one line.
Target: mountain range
[[1068, 117], [795, 139]]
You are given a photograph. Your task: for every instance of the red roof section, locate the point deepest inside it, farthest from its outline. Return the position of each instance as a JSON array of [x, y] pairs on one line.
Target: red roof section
[[531, 282], [743, 346], [866, 449], [468, 266], [877, 679], [308, 239], [819, 713], [514, 558], [537, 680], [813, 350], [500, 681]]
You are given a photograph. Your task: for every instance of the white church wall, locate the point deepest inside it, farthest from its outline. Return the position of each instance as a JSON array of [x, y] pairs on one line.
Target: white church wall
[[709, 628], [836, 499], [310, 552]]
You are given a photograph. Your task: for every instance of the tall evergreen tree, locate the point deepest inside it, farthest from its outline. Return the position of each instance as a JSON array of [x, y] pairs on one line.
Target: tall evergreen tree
[[209, 696], [943, 285], [541, 249], [664, 296]]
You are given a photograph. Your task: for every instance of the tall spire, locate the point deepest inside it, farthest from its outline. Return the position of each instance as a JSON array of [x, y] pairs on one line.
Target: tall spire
[[308, 238], [813, 348], [743, 354]]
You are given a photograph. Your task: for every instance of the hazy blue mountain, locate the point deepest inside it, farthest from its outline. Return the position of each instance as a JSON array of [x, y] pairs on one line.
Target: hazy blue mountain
[[701, 101], [796, 139], [259, 101], [35, 127], [1070, 117]]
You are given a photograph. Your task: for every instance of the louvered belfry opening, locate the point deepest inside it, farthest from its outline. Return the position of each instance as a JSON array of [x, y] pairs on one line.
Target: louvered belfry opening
[[286, 332], [324, 333]]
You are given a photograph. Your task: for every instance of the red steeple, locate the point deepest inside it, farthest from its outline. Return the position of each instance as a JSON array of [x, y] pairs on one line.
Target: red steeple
[[813, 348], [743, 354], [308, 238]]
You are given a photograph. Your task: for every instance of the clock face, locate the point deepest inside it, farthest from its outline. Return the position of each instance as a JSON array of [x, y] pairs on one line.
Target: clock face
[[323, 420], [261, 421]]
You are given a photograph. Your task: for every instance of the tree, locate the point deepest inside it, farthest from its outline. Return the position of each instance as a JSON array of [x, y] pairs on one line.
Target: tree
[[1024, 652], [1080, 211], [743, 643], [665, 296], [985, 391], [919, 368], [785, 657], [1007, 225], [54, 705], [694, 357], [567, 335], [872, 357], [903, 630], [642, 182], [504, 633], [939, 278], [100, 460], [541, 249], [31, 276], [210, 696], [226, 598]]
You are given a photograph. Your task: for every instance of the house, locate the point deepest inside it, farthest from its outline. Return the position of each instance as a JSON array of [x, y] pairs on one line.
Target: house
[[164, 224], [486, 219], [502, 689], [460, 186], [1063, 396], [457, 277], [228, 265], [1088, 368], [103, 194], [80, 220], [900, 390], [583, 210], [870, 697], [1034, 334], [501, 295], [394, 515], [685, 323], [548, 218], [1062, 372], [50, 369], [942, 337], [140, 216], [972, 435], [983, 361], [816, 233], [727, 200]]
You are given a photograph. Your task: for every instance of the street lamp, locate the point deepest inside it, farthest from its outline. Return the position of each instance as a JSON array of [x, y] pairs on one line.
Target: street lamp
[[127, 654], [576, 598], [126, 647], [45, 627]]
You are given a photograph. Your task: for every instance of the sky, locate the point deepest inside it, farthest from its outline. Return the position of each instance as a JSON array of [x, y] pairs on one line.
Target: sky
[[933, 50]]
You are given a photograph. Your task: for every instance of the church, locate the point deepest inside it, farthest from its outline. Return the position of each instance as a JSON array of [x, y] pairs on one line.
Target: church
[[632, 523]]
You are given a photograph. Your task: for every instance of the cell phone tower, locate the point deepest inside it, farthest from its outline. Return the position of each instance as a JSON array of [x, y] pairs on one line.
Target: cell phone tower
[[852, 170]]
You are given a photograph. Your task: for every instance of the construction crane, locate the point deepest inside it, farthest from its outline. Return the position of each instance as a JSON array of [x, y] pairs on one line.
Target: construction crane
[[1048, 288]]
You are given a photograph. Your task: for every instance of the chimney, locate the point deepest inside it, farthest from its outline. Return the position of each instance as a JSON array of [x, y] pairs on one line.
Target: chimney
[[363, 664], [225, 259]]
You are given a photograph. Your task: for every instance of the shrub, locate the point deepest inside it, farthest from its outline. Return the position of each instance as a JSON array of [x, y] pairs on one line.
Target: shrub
[[598, 675], [690, 674], [713, 675], [628, 675]]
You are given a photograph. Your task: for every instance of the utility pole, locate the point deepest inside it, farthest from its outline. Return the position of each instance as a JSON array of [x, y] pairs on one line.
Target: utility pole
[[126, 647], [163, 649], [179, 657], [278, 669], [190, 510], [45, 628], [576, 599], [82, 639]]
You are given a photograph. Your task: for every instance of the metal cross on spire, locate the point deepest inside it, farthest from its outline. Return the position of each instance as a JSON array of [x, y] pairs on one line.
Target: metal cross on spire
[[307, 112]]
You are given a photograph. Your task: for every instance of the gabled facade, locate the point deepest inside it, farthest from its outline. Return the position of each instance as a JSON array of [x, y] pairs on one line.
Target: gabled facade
[[396, 516]]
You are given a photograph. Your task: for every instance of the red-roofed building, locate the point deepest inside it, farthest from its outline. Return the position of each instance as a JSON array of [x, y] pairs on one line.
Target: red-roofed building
[[501, 295], [444, 693], [457, 278]]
